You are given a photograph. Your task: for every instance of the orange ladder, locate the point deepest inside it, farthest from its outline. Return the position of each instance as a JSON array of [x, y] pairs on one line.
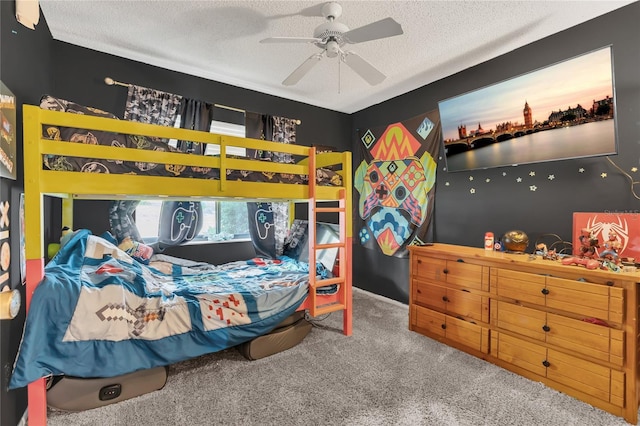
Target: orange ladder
[[314, 247]]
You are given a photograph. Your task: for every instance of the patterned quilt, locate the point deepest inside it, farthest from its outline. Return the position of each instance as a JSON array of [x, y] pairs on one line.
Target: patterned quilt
[[100, 313]]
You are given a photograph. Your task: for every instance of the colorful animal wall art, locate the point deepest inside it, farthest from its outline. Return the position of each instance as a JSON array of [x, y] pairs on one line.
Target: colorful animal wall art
[[395, 181]]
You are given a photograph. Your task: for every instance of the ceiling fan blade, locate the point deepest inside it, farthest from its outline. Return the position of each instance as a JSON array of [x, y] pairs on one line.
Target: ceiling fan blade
[[387, 27], [363, 68], [302, 70], [291, 40]]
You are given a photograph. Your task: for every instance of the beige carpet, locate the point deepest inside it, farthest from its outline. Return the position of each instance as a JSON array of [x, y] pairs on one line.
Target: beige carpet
[[382, 375]]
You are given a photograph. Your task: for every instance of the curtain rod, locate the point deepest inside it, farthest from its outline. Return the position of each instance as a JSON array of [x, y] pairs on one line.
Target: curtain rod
[[111, 82]]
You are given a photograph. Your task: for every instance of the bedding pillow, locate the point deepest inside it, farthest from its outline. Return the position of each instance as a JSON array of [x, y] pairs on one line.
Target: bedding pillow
[[295, 244], [262, 229]]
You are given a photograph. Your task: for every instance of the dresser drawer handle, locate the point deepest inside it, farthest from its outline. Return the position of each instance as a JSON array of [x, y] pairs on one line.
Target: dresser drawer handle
[[546, 327], [609, 283], [460, 260], [419, 261], [546, 363], [446, 271], [545, 291], [419, 291], [444, 326], [445, 299]]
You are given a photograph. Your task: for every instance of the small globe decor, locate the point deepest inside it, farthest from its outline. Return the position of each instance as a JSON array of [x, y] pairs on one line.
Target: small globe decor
[[515, 241]]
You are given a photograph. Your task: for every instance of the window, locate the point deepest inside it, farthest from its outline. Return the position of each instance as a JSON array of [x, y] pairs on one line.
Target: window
[[223, 220], [221, 128]]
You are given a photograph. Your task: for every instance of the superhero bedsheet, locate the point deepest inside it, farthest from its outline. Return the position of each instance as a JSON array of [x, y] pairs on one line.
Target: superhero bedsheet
[[100, 313]]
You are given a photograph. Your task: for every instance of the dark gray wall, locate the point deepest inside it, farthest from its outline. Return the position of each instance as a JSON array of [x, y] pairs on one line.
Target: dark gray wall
[[24, 65], [502, 203]]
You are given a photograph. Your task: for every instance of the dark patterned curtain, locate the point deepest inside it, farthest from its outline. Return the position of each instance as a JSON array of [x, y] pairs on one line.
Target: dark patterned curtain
[[277, 129], [181, 221], [149, 106], [195, 115]]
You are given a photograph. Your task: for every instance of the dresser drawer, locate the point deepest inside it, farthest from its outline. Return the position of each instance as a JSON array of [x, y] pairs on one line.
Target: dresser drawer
[[430, 321], [587, 377], [593, 379], [467, 334], [459, 273], [580, 337], [577, 297], [441, 325], [519, 286], [452, 301], [594, 341], [520, 353], [518, 319], [428, 268], [467, 275], [591, 300]]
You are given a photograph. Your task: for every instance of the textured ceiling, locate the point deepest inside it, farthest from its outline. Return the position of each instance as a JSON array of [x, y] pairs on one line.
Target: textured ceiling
[[219, 40]]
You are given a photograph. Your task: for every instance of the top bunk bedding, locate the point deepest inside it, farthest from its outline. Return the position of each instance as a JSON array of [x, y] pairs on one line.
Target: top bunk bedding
[[256, 170]]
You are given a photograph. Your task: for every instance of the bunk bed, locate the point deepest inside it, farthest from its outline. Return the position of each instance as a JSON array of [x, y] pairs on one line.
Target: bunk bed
[[74, 183]]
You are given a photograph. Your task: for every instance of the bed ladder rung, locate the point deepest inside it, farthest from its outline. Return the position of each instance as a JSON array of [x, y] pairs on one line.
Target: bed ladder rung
[[329, 209], [329, 246], [328, 281], [327, 309]]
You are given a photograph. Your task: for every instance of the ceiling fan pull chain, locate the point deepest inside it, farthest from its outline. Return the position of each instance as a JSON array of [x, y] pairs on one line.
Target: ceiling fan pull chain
[[339, 76]]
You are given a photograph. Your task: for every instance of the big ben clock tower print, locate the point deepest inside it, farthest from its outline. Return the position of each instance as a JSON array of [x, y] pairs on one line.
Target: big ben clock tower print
[[528, 118]]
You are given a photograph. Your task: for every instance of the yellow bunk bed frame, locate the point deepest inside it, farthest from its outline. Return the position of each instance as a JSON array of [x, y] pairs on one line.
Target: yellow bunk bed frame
[[70, 185]]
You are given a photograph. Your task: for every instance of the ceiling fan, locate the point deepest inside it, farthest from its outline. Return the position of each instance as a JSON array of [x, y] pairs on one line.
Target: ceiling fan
[[331, 36]]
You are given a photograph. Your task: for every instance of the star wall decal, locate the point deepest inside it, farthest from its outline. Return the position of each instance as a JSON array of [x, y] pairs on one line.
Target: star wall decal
[[519, 180], [581, 170], [603, 175], [446, 184], [634, 169], [472, 190], [504, 173], [533, 187], [487, 180], [532, 173], [470, 178], [551, 177]]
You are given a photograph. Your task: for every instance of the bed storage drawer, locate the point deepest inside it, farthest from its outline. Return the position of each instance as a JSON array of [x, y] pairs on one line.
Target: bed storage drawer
[[78, 394], [285, 336]]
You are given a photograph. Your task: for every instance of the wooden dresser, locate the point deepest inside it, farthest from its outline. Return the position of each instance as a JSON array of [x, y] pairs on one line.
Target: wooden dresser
[[573, 329]]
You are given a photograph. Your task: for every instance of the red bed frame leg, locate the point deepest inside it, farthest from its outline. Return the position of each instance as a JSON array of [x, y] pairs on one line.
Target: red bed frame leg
[[347, 318], [36, 390], [37, 409]]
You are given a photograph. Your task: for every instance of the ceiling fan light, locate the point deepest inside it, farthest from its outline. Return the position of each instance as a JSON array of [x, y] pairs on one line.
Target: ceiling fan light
[[333, 49]]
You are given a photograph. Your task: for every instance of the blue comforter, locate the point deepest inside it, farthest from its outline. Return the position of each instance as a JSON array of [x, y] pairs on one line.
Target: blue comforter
[[100, 313]]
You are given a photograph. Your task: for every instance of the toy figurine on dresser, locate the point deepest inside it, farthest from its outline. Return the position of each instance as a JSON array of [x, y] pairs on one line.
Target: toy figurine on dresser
[[611, 248], [588, 244]]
